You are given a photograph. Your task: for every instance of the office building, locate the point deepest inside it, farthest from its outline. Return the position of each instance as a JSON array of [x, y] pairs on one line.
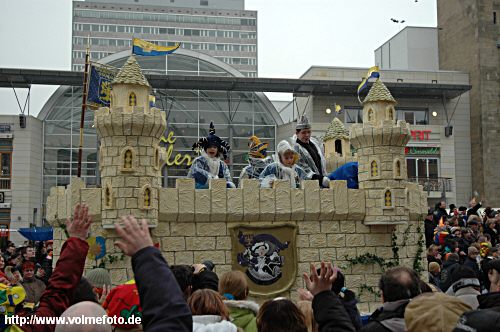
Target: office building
[[219, 28], [469, 41]]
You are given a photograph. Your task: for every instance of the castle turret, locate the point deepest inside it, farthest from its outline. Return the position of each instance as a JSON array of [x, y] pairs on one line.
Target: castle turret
[[336, 140], [380, 143], [130, 157]]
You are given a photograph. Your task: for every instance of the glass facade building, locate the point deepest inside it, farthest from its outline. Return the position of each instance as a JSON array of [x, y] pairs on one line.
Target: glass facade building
[[229, 35], [236, 115]]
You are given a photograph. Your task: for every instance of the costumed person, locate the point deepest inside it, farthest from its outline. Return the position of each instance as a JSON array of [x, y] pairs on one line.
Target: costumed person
[[210, 165], [283, 168], [311, 155], [257, 159]]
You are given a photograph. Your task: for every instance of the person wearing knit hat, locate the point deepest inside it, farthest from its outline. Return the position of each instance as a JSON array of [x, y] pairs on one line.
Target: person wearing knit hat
[[284, 167], [210, 164], [465, 286], [311, 154], [433, 312], [257, 159], [487, 317], [99, 278]]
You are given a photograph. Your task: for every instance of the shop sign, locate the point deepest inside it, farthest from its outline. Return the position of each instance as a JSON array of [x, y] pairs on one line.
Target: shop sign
[[420, 135], [418, 150], [177, 159]]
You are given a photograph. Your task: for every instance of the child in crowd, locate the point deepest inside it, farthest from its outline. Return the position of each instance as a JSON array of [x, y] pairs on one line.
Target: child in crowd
[[284, 167], [233, 287], [210, 165], [257, 159]]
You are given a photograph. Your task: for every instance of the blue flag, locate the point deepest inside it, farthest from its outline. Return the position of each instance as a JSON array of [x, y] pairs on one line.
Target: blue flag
[[100, 86]]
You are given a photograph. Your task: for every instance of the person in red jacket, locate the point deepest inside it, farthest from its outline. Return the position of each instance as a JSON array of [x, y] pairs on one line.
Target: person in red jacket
[[67, 273]]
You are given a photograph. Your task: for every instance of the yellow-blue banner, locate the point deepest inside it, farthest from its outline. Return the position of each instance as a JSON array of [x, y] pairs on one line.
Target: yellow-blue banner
[[142, 47], [373, 72]]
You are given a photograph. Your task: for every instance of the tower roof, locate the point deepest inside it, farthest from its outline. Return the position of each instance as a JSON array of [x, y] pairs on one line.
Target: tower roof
[[131, 73], [379, 92], [336, 130]]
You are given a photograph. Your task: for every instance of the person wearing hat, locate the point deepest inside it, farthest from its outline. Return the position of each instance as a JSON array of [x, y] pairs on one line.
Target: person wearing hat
[[284, 168], [487, 317], [465, 286], [433, 312], [210, 164], [99, 279], [257, 159], [311, 156]]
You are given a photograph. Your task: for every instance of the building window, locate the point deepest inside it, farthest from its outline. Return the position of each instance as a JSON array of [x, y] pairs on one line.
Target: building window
[[390, 112], [5, 159], [128, 159], [423, 168], [374, 168], [108, 197], [147, 197], [132, 99], [338, 146], [494, 17], [203, 2], [353, 115], [414, 117], [397, 169], [388, 198]]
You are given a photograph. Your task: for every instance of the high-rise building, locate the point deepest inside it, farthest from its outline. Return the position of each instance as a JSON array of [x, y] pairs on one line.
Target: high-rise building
[[220, 28], [469, 41]]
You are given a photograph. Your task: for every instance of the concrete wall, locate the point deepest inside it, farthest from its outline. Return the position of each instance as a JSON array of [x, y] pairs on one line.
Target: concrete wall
[[467, 42], [413, 48], [25, 193]]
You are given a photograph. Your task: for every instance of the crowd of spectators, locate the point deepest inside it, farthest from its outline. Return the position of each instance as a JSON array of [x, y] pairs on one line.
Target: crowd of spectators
[[195, 298]]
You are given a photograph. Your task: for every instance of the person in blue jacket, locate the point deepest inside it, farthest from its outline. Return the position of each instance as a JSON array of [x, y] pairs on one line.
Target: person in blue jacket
[[284, 168], [210, 165], [347, 172]]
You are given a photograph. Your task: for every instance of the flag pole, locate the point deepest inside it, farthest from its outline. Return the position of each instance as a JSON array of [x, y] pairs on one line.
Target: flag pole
[[84, 106]]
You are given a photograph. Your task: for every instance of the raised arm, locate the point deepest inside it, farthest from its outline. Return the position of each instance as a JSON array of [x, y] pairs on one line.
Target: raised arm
[[162, 302]]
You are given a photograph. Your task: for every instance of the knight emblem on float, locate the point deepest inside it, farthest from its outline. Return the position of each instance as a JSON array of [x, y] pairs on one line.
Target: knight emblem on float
[[267, 255]]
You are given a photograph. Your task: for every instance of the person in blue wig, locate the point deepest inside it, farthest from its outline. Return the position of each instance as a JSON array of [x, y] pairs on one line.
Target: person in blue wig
[[210, 164]]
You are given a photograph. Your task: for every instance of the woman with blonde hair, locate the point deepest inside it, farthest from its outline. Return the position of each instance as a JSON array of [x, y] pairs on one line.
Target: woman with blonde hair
[[209, 312], [233, 287]]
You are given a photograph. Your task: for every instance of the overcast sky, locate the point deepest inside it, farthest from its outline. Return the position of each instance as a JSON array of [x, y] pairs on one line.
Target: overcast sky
[[293, 35]]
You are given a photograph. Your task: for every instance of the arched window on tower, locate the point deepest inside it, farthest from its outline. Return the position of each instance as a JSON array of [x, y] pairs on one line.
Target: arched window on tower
[[147, 197], [370, 115], [127, 159], [388, 198], [398, 168], [132, 99], [108, 197], [374, 168], [391, 113], [338, 146]]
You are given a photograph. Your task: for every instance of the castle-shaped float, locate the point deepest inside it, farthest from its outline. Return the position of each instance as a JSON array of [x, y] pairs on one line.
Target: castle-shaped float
[[347, 226]]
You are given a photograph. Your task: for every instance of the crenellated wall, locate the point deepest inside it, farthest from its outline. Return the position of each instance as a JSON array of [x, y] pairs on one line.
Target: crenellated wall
[[194, 225]]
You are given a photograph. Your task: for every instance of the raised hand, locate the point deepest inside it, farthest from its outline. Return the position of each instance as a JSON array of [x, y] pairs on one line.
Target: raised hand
[[79, 226], [323, 282], [134, 235]]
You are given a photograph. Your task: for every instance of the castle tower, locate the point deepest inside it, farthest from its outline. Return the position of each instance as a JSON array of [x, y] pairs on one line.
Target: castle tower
[[336, 140], [380, 143], [130, 156]]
